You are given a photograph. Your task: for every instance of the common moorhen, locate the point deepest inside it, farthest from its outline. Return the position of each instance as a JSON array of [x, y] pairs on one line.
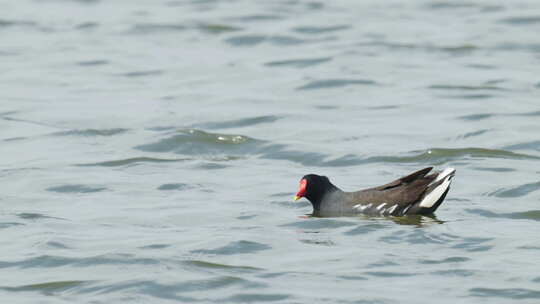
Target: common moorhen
[[417, 193]]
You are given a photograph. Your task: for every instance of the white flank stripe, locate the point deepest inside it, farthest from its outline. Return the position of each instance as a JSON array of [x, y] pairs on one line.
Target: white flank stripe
[[362, 207], [366, 206], [392, 209], [405, 210], [432, 197], [380, 206]]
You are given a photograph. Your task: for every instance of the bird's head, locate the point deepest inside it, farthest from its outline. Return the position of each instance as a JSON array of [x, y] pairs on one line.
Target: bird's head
[[313, 187]]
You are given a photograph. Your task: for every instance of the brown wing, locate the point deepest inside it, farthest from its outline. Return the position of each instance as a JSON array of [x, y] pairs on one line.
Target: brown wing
[[405, 180]]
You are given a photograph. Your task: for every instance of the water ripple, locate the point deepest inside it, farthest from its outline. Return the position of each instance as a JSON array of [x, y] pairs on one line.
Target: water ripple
[[473, 134], [387, 274], [473, 117], [334, 83], [481, 116], [474, 244], [4, 225], [255, 298], [255, 18], [92, 132], [414, 237], [198, 142], [495, 169], [512, 46], [155, 246], [214, 28], [455, 272], [132, 161], [96, 62], [481, 66], [143, 73], [152, 28], [465, 87], [192, 141], [76, 188], [319, 241], [530, 145], [518, 191], [237, 247], [366, 228], [87, 25], [323, 223], [48, 287], [280, 152], [529, 113], [443, 154], [49, 261], [4, 23], [175, 186], [446, 260], [521, 20], [436, 5], [252, 40], [469, 96], [508, 293], [238, 123], [210, 166], [219, 266], [171, 291], [314, 30], [298, 63], [525, 215], [246, 40], [35, 216]]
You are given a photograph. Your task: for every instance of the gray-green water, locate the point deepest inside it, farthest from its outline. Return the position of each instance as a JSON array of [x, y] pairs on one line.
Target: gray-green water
[[150, 150]]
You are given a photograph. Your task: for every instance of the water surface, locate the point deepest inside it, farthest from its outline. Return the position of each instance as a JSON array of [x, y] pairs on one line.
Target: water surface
[[150, 150]]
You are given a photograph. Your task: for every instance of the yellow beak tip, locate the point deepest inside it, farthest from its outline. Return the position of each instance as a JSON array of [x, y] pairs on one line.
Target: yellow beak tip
[[296, 198]]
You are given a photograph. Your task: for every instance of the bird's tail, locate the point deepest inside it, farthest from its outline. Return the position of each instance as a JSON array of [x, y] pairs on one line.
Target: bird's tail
[[436, 191]]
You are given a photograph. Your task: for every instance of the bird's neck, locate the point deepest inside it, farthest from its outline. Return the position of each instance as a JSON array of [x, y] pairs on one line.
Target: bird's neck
[[319, 197]]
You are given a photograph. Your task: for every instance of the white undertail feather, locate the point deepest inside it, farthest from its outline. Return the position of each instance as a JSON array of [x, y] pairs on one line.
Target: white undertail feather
[[431, 198]]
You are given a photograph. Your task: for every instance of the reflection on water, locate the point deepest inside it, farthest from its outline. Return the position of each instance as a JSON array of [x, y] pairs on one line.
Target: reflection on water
[[414, 220]]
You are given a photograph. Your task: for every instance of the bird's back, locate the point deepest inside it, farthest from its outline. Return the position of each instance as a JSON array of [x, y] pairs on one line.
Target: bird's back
[[402, 196]]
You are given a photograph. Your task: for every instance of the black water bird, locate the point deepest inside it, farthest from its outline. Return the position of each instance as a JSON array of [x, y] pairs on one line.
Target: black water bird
[[417, 193]]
